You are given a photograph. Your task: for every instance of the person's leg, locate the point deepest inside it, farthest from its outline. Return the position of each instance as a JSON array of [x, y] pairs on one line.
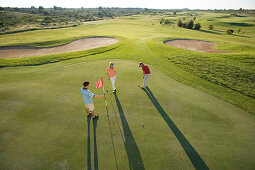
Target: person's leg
[[145, 81], [114, 78], [93, 114], [87, 110], [148, 75], [92, 111], [113, 82]]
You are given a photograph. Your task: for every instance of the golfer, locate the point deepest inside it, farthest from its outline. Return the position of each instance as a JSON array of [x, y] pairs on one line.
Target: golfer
[[146, 74], [112, 75], [88, 100]]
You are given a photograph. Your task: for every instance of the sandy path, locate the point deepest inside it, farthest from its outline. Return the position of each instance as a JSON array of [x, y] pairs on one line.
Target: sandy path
[[78, 45], [195, 45]]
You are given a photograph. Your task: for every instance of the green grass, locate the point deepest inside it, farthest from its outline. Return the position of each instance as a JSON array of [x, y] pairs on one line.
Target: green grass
[[142, 41], [42, 114], [43, 123]]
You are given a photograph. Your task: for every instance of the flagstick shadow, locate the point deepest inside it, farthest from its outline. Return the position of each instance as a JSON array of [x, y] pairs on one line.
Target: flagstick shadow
[[88, 145], [133, 153], [194, 157], [95, 145]]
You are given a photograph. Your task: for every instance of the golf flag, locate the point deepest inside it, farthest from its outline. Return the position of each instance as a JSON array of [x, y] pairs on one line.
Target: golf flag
[[99, 83]]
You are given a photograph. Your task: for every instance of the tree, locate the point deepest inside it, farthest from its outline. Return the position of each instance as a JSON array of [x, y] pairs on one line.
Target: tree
[[46, 13], [16, 9], [190, 24], [56, 8], [197, 26], [179, 23], [46, 20], [41, 9], [211, 27]]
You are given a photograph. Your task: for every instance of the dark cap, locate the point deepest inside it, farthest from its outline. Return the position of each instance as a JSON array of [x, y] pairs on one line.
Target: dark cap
[[140, 64]]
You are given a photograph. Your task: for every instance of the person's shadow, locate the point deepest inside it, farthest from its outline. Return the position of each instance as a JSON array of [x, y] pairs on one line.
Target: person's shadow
[[95, 145], [194, 157], [133, 153], [88, 145]]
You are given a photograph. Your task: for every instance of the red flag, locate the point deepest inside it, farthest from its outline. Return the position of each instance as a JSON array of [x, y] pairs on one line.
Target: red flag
[[99, 83]]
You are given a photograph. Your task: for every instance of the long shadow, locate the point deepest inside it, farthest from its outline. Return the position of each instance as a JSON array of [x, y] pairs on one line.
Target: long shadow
[[88, 145], [133, 153], [194, 157], [95, 145]]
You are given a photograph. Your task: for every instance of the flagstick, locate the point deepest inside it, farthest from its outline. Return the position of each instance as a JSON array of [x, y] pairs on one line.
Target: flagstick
[[105, 102]]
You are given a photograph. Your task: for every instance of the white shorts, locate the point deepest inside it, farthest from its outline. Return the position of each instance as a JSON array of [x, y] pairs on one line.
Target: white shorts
[[90, 106]]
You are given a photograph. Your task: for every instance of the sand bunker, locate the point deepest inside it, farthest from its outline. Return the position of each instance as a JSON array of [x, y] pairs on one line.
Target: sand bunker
[[194, 45], [78, 45]]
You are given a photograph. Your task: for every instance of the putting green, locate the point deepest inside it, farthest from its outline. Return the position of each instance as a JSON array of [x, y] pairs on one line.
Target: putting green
[[43, 123]]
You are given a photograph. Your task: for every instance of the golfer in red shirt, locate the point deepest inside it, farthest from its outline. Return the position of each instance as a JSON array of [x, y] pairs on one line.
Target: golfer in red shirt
[[146, 74]]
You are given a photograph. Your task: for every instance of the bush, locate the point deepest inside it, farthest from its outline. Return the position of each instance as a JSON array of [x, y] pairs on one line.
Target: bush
[[211, 27], [234, 15], [161, 21], [190, 24], [184, 25], [179, 23], [197, 26], [168, 21], [165, 21], [230, 31]]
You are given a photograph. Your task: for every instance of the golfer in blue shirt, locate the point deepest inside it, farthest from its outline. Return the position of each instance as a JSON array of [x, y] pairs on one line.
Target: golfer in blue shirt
[[88, 100]]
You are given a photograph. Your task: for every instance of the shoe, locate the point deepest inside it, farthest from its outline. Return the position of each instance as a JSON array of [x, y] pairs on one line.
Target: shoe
[[96, 117], [114, 91], [142, 88], [89, 115]]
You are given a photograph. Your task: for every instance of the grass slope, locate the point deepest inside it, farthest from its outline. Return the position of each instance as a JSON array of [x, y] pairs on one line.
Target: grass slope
[[228, 76], [43, 123]]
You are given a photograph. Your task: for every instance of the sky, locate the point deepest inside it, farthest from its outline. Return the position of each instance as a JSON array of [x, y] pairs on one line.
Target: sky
[[156, 4]]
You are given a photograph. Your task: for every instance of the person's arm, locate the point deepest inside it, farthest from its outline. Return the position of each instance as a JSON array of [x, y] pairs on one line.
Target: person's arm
[[98, 96], [108, 73]]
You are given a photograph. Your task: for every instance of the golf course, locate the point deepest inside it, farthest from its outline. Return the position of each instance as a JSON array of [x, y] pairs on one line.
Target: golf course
[[197, 112]]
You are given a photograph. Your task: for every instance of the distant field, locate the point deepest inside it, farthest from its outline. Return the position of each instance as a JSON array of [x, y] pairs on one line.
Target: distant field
[[209, 96]]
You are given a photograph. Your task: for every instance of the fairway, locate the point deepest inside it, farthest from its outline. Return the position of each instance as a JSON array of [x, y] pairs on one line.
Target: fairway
[[52, 131], [198, 112]]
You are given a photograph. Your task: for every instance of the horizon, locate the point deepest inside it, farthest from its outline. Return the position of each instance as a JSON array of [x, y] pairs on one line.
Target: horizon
[[159, 4]]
